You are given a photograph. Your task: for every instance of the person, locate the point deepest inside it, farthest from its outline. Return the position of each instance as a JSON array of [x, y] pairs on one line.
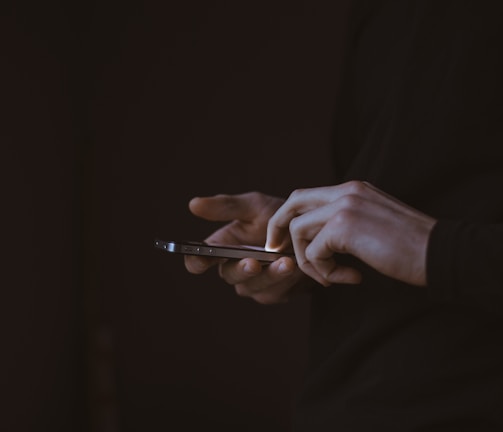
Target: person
[[402, 256]]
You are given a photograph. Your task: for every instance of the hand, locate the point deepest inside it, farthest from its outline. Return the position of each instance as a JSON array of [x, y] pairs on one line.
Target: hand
[[248, 215], [352, 218]]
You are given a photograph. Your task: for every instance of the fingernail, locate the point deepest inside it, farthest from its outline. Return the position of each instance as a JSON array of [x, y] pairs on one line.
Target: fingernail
[[268, 247]]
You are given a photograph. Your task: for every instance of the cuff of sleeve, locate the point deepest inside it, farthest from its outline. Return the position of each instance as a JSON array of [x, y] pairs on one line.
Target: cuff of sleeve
[[441, 260]]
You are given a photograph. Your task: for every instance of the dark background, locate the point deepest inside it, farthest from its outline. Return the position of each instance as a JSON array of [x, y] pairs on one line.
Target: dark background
[[114, 115]]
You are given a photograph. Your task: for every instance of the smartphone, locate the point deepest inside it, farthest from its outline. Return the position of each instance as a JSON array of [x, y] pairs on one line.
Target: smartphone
[[220, 251]]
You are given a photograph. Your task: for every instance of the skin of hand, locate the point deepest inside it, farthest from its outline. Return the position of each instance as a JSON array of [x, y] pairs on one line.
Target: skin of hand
[[352, 218], [247, 216]]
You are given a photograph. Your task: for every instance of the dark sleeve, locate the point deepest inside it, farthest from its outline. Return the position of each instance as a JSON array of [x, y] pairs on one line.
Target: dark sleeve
[[465, 263]]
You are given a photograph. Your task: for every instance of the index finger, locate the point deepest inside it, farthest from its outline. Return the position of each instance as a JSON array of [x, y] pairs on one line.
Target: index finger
[[223, 208], [198, 264]]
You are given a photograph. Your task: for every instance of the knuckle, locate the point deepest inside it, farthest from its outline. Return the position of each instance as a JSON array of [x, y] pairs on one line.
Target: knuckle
[[258, 200], [295, 225], [296, 194], [345, 218], [256, 196], [351, 201], [356, 187]]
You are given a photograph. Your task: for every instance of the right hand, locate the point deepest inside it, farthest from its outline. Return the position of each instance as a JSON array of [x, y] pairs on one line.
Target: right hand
[[247, 216]]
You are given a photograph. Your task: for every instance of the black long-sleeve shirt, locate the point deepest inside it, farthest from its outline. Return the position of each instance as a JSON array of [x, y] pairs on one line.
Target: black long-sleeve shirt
[[420, 116]]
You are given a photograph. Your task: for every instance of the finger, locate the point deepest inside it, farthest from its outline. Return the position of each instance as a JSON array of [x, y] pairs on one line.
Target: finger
[[223, 208], [198, 264], [258, 276], [303, 229], [310, 271], [311, 227], [304, 200], [278, 225], [274, 284], [299, 247], [344, 275], [327, 272], [279, 269], [320, 256], [238, 272]]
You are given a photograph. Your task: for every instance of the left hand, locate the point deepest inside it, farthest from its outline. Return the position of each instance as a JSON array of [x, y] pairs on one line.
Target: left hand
[[352, 218], [247, 216]]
